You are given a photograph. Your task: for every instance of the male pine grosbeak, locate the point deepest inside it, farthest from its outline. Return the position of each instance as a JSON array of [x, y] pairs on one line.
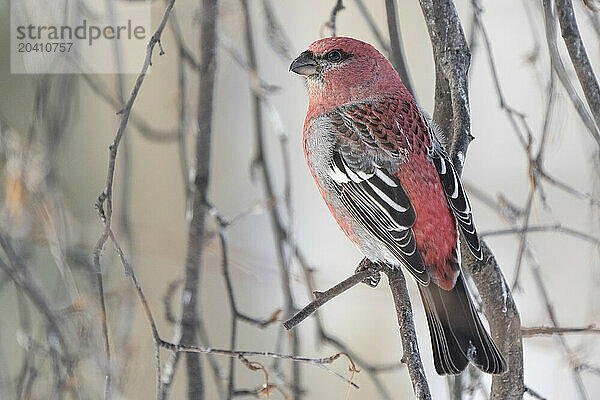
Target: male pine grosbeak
[[391, 187]]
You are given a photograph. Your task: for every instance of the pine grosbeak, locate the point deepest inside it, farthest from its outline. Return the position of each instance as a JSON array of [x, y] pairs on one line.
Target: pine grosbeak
[[390, 185]]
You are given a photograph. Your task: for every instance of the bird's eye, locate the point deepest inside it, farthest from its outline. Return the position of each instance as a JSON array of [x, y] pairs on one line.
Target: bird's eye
[[334, 56]]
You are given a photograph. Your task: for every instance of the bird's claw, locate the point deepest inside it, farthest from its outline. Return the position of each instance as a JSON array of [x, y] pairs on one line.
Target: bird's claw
[[373, 279]]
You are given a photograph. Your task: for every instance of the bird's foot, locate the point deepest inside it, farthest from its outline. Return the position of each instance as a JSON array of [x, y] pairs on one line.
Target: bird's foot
[[373, 279]]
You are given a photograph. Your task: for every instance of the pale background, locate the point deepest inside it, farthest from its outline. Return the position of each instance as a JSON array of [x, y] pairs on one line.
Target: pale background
[[363, 317]]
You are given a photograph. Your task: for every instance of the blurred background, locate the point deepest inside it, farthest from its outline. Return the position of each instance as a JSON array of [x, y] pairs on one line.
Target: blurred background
[[54, 137]]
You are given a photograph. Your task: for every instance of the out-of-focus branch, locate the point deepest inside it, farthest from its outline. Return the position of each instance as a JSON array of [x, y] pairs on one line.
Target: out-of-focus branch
[[331, 23], [544, 228], [183, 55], [558, 330], [397, 52], [579, 57], [506, 211], [277, 228], [410, 347], [522, 130], [198, 191], [182, 106], [236, 314], [562, 73], [138, 122], [19, 274], [276, 36], [452, 57], [372, 26], [514, 117], [455, 386]]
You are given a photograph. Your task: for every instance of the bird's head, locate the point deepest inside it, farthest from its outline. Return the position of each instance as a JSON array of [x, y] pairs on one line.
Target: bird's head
[[343, 69]]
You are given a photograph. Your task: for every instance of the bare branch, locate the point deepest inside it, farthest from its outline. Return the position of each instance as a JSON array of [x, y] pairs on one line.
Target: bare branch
[[326, 337], [323, 297], [452, 58], [246, 353], [579, 57], [452, 114], [503, 317], [410, 347]]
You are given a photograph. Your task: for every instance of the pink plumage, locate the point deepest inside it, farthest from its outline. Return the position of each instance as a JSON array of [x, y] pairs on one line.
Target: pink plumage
[[389, 184]]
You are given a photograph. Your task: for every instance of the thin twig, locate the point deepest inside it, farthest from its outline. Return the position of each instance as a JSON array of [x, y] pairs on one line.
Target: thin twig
[[160, 343], [555, 330], [236, 315], [323, 297], [533, 393], [544, 228], [269, 192], [106, 196]]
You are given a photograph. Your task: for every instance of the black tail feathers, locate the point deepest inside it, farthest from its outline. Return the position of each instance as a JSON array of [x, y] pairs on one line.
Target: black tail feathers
[[457, 334]]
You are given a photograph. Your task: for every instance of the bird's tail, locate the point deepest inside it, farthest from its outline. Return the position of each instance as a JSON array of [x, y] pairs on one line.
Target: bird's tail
[[457, 334]]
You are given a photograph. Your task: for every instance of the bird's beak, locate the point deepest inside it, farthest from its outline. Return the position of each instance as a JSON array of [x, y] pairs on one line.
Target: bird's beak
[[305, 64]]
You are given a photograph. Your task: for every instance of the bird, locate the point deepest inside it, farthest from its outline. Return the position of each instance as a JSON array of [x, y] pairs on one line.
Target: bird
[[380, 165]]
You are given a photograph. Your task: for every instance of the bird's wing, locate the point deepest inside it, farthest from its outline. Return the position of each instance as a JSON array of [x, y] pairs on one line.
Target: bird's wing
[[457, 199], [372, 194], [375, 125]]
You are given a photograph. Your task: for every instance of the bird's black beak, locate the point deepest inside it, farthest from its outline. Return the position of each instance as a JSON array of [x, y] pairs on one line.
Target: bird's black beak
[[305, 64]]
